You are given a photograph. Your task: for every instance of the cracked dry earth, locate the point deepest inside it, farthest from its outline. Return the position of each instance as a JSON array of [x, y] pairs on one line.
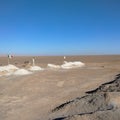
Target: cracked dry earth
[[102, 103]]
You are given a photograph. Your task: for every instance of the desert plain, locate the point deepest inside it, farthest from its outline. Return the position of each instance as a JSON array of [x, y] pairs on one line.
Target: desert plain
[[85, 93]]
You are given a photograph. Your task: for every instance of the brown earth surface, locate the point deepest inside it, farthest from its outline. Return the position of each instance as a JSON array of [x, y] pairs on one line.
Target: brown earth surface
[[35, 96]]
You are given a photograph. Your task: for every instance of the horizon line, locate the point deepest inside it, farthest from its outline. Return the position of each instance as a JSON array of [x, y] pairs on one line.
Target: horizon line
[[22, 55]]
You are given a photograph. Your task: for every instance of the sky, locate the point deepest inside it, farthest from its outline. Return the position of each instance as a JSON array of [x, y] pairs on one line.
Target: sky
[[59, 27]]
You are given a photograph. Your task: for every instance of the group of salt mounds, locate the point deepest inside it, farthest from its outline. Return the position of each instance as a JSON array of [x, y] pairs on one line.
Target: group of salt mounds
[[13, 70], [67, 65]]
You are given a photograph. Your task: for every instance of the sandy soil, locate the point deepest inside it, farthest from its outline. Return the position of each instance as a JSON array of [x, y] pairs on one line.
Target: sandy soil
[[35, 96]]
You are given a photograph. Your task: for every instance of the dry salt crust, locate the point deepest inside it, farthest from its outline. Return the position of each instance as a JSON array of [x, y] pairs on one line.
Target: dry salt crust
[[35, 68], [67, 65]]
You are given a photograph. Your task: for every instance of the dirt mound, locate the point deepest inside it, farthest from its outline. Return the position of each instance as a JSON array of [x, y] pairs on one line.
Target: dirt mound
[[99, 104]]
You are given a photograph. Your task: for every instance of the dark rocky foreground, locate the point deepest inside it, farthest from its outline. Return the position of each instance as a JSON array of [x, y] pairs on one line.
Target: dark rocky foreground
[[102, 103]]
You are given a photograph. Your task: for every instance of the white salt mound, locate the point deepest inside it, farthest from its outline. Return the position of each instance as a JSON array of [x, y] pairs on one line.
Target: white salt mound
[[35, 68], [12, 70], [53, 66], [70, 65], [67, 65], [22, 72], [8, 68]]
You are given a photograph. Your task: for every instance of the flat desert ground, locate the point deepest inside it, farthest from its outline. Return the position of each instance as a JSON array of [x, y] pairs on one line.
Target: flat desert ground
[[58, 94]]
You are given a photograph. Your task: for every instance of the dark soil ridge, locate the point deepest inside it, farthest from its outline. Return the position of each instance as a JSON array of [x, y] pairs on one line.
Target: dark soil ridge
[[95, 101], [112, 86]]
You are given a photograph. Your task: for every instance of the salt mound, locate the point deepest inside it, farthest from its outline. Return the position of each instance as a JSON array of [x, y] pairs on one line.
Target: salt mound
[[12, 70], [54, 66], [8, 68], [22, 72], [69, 65], [35, 68]]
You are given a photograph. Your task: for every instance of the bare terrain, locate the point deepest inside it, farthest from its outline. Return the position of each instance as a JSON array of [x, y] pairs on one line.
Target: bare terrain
[[58, 94]]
